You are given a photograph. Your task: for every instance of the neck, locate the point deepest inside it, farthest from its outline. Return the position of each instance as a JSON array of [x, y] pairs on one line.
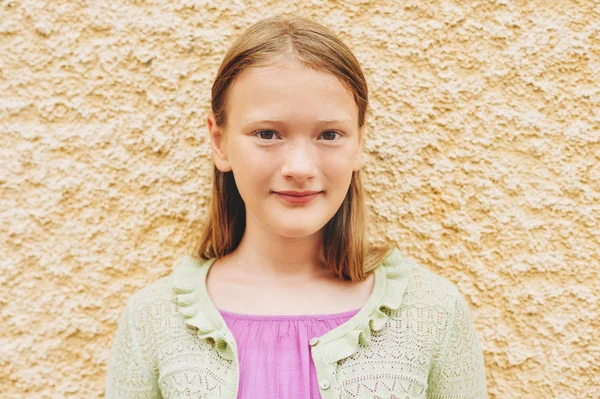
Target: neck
[[274, 257]]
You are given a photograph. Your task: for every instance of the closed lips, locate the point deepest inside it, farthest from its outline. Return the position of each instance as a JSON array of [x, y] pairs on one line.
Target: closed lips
[[298, 193]]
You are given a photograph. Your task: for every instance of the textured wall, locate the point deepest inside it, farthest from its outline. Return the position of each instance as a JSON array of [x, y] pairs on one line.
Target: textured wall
[[483, 155]]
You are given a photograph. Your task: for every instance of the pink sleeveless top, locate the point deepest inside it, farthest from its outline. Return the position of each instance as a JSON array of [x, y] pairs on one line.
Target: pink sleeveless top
[[274, 353]]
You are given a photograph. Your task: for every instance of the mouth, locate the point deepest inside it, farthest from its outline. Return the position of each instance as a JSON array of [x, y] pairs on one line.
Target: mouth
[[297, 198], [297, 193]]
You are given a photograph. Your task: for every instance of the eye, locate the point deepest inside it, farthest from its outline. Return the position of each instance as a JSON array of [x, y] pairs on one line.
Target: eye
[[264, 134], [332, 134], [268, 134]]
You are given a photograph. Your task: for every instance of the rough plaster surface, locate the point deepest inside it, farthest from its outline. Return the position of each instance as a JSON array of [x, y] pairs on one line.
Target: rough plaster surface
[[482, 162]]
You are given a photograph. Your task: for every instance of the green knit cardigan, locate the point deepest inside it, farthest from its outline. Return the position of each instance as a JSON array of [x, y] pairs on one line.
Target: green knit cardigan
[[414, 338]]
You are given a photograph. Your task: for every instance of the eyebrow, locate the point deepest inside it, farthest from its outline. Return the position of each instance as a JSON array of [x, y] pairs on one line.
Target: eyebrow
[[250, 121]]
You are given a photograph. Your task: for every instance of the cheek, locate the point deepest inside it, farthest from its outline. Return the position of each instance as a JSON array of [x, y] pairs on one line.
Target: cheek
[[252, 173], [337, 169], [244, 160]]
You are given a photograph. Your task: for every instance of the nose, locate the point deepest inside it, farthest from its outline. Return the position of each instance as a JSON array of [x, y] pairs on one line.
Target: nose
[[299, 163]]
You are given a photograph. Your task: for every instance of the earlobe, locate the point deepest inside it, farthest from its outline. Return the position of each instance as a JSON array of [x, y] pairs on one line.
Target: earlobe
[[358, 157], [218, 144], [357, 162]]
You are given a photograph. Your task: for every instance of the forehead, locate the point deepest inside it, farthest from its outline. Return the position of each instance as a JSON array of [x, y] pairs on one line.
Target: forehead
[[289, 91]]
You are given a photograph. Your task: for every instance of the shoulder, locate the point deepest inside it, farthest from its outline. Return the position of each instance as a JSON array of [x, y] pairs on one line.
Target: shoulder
[[423, 287], [161, 301], [424, 280], [156, 302], [150, 301], [429, 300], [155, 291]]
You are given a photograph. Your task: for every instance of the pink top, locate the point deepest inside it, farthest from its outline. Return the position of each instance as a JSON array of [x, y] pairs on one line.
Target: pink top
[[274, 353]]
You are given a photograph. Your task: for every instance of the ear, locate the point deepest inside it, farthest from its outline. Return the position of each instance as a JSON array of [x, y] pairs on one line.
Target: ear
[[361, 139], [218, 144], [358, 157]]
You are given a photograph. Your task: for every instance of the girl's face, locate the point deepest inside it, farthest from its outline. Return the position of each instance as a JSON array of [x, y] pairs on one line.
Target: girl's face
[[289, 128]]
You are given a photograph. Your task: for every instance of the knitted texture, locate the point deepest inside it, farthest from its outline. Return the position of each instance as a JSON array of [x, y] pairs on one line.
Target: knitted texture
[[414, 338]]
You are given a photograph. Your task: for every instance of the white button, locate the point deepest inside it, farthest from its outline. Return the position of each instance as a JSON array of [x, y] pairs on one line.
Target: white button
[[324, 384], [313, 341]]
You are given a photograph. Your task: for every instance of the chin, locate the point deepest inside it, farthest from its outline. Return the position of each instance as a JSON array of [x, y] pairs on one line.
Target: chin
[[298, 232]]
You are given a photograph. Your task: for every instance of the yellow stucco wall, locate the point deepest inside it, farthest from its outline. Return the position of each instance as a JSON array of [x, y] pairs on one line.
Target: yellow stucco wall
[[482, 162]]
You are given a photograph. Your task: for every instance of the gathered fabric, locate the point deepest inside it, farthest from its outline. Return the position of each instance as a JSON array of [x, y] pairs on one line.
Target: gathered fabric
[[274, 353]]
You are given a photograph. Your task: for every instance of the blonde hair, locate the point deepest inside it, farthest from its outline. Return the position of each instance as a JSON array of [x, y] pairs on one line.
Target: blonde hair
[[345, 248]]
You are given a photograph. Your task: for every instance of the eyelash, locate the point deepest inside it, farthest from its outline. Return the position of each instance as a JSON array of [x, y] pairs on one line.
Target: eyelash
[[256, 133]]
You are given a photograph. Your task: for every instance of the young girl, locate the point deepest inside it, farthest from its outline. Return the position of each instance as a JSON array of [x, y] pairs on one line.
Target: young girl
[[284, 298]]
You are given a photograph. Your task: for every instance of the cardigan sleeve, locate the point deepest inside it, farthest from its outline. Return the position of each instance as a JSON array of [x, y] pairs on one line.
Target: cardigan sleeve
[[130, 373], [459, 372]]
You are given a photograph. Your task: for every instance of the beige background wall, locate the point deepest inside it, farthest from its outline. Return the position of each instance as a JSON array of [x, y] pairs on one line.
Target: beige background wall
[[482, 162]]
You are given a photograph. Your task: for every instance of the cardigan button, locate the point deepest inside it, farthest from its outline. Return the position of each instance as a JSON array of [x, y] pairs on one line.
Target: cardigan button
[[324, 384], [313, 341]]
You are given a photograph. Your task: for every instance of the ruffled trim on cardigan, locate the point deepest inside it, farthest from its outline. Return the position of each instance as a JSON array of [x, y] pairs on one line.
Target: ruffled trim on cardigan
[[198, 311], [187, 283], [395, 278]]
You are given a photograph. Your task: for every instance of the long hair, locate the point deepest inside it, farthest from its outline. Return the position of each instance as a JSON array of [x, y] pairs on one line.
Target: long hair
[[346, 250]]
